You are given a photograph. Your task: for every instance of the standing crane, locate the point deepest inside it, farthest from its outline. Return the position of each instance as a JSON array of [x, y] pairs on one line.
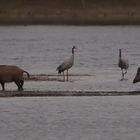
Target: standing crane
[[123, 64], [66, 65]]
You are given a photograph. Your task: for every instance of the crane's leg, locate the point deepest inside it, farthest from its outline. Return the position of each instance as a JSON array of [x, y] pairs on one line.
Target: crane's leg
[[122, 74], [125, 71], [63, 76], [67, 75]]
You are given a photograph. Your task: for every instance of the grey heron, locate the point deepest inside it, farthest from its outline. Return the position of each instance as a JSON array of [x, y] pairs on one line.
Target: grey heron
[[123, 64], [66, 65]]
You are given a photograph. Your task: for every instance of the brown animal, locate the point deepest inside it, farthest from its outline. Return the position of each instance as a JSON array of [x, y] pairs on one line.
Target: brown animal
[[137, 77], [12, 74]]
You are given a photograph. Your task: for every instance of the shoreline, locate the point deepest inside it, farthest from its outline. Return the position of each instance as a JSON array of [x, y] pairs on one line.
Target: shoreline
[[69, 12], [57, 78], [66, 93], [95, 22]]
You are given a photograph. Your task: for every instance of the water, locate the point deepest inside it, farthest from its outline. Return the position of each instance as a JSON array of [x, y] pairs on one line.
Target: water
[[70, 118], [40, 49]]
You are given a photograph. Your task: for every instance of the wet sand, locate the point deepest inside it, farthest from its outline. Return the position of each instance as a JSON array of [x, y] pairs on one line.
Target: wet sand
[[42, 85]]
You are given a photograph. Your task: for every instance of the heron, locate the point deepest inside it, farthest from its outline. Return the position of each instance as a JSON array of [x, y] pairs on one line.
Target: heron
[[137, 77], [66, 65], [123, 64]]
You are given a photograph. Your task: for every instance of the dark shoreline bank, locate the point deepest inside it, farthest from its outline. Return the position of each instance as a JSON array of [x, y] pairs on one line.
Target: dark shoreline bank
[[123, 20], [66, 93], [64, 12]]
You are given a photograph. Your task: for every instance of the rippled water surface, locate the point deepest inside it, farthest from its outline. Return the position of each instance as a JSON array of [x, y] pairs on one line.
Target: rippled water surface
[[70, 118], [40, 49]]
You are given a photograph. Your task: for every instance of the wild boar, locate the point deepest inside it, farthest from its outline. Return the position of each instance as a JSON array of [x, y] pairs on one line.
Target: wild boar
[[137, 77], [12, 74]]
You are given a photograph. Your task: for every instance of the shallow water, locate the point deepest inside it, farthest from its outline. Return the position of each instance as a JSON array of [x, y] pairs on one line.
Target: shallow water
[[40, 49], [70, 118]]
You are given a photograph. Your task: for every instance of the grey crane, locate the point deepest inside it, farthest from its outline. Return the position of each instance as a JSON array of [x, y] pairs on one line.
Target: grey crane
[[137, 77], [66, 65], [123, 64]]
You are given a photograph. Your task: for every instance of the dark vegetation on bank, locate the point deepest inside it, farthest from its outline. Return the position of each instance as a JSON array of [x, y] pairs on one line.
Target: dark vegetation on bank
[[81, 12]]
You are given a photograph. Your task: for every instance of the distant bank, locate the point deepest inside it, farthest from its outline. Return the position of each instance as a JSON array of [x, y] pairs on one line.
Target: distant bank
[[70, 12]]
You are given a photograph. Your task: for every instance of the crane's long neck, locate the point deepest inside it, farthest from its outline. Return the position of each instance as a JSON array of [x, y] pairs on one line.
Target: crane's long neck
[[72, 57], [120, 54], [72, 51]]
